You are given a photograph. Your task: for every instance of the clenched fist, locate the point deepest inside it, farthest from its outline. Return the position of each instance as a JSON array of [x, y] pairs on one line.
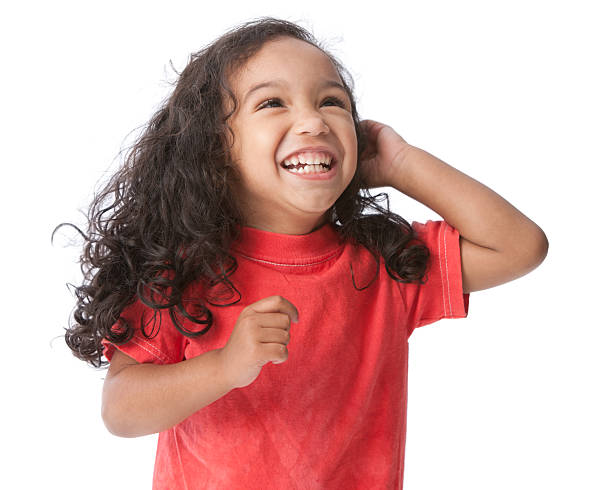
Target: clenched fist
[[260, 335]]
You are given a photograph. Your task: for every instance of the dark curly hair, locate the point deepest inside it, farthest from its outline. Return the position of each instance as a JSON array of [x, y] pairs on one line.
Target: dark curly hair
[[167, 217]]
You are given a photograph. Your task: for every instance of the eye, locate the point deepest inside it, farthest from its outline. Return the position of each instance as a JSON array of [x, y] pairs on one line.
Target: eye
[[269, 101], [337, 101], [332, 99]]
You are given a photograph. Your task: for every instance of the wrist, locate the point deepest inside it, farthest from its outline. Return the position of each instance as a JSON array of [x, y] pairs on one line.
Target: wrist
[[222, 371], [400, 166]]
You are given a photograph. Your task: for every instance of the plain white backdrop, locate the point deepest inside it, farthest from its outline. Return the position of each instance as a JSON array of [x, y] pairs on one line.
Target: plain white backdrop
[[515, 94]]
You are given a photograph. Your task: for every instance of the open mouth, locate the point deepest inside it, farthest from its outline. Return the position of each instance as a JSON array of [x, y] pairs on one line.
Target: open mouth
[[307, 168]]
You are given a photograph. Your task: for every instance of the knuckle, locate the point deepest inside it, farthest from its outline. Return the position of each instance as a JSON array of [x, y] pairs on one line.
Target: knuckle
[[254, 335], [246, 313]]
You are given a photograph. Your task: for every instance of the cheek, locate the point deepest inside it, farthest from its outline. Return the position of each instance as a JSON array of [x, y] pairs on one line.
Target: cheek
[[234, 142], [351, 146]]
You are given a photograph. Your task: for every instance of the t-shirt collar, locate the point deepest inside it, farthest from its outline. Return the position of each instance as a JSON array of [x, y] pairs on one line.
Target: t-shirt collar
[[290, 249]]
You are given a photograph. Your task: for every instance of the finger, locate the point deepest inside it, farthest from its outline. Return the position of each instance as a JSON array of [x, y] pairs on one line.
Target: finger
[[370, 124], [276, 304], [274, 320], [274, 336]]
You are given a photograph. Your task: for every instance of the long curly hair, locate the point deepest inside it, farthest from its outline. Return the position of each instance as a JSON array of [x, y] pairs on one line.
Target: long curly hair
[[167, 217]]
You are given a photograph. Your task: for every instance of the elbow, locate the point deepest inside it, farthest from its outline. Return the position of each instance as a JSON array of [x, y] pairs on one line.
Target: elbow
[[540, 248], [108, 409], [535, 247], [531, 254], [117, 426], [114, 416], [111, 422], [536, 255]]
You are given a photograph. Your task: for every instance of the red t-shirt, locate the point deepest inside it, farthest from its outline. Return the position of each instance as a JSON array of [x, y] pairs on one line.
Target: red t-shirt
[[333, 416]]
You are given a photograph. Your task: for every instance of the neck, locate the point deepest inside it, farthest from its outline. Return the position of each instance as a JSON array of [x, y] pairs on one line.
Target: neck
[[288, 227]]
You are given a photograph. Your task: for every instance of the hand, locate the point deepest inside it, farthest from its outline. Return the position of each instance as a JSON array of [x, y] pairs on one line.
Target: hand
[[260, 335], [383, 151]]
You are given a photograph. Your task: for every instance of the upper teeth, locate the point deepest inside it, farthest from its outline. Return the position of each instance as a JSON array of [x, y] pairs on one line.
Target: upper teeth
[[309, 159]]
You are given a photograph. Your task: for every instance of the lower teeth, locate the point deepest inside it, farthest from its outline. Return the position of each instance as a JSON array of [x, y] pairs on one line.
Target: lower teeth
[[317, 169]]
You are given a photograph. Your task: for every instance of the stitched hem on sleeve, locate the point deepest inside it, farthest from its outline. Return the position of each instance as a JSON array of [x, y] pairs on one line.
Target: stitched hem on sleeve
[[138, 349], [455, 301]]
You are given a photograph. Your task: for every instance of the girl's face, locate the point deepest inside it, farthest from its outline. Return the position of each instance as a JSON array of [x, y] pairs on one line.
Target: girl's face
[[303, 105]]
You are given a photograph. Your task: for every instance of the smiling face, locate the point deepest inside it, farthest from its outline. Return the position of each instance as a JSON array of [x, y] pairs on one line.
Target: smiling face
[[304, 106]]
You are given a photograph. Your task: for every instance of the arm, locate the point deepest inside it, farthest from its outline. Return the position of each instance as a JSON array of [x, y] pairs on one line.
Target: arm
[[498, 243], [141, 399]]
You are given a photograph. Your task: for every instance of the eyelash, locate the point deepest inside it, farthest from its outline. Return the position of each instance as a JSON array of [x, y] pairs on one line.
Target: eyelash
[[336, 100]]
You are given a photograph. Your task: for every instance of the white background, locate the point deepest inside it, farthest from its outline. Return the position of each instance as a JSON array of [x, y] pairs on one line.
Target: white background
[[515, 94]]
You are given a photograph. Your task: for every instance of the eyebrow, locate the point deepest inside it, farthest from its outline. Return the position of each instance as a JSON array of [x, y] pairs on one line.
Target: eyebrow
[[279, 83]]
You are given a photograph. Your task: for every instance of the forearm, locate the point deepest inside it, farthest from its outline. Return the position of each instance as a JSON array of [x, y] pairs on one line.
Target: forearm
[[147, 398], [478, 213]]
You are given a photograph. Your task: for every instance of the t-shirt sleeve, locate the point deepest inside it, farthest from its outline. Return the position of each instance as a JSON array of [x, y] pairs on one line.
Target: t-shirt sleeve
[[167, 346], [442, 294]]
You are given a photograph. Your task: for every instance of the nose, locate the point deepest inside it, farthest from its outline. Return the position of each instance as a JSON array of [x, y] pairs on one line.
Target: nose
[[311, 122]]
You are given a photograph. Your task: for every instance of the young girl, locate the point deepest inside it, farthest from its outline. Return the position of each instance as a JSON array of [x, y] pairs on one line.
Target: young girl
[[254, 300]]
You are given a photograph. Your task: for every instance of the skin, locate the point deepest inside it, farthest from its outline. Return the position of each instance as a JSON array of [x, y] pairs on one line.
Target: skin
[[302, 115], [498, 243]]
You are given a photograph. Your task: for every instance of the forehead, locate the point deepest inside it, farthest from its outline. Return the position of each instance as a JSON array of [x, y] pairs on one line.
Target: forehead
[[284, 58]]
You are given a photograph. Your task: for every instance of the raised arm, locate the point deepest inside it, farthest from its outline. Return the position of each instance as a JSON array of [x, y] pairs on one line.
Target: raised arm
[[498, 242]]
